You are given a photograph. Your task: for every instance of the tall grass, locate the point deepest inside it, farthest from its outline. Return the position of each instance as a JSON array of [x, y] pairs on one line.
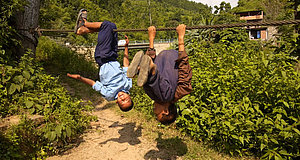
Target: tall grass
[[63, 60]]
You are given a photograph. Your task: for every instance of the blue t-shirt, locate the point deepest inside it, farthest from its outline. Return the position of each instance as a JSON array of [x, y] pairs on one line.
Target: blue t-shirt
[[113, 79]]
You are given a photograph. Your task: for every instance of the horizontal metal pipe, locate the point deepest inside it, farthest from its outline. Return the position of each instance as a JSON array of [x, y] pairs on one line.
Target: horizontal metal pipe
[[271, 23]]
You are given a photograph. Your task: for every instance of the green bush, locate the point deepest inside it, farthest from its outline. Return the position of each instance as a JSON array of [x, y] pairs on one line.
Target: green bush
[[245, 100], [63, 59], [26, 89], [141, 100], [8, 35]]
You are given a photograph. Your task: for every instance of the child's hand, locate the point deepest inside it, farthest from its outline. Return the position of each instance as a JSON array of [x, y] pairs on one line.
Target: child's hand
[[127, 40], [75, 76]]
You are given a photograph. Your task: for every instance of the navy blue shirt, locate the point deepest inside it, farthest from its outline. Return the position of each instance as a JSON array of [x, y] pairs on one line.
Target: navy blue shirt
[[162, 86]]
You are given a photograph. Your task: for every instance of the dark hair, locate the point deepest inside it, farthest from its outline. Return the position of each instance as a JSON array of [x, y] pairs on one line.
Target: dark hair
[[126, 109], [166, 120]]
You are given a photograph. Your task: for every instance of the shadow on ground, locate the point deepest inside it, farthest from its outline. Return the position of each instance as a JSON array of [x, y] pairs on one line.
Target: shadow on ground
[[169, 149], [128, 134], [106, 105]]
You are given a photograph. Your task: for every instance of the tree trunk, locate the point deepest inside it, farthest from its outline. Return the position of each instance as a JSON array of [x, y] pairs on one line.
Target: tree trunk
[[28, 19]]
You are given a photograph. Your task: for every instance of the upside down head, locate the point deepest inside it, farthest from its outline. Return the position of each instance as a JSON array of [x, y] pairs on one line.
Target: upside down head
[[165, 112]]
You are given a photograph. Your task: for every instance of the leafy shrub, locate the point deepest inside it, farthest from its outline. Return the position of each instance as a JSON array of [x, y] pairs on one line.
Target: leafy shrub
[[141, 100], [21, 141], [8, 35], [26, 89], [63, 59], [245, 100]]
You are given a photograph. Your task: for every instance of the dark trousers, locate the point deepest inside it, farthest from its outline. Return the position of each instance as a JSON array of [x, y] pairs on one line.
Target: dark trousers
[[107, 45]]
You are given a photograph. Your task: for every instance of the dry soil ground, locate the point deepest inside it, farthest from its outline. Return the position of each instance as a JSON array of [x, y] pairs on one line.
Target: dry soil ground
[[113, 137]]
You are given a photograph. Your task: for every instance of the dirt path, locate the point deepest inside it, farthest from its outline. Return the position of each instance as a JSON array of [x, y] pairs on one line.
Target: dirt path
[[112, 137]]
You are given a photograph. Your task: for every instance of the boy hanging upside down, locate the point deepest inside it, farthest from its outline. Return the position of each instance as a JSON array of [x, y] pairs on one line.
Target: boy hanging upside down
[[166, 78], [113, 83]]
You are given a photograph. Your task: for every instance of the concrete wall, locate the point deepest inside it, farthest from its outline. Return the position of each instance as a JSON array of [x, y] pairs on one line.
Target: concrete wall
[[271, 32]]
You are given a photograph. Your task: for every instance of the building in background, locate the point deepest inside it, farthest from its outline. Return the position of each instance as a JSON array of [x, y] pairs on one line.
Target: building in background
[[258, 32]]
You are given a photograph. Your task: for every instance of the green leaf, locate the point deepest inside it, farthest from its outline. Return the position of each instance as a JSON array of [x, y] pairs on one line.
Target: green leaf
[[236, 73], [277, 157], [28, 103], [296, 130], [39, 107], [68, 130], [18, 79], [274, 141], [186, 111], [12, 88], [242, 140], [284, 152], [283, 73], [235, 136], [26, 74], [265, 62], [47, 135], [52, 136], [29, 83], [227, 124], [58, 130], [262, 146], [286, 104], [268, 122], [181, 105], [32, 110], [18, 87], [278, 116]]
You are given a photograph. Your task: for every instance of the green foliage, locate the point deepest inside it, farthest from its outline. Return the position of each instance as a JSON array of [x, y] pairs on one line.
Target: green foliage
[[289, 41], [273, 9], [230, 36], [8, 35], [141, 100], [63, 59], [21, 141], [125, 13], [245, 99], [25, 88]]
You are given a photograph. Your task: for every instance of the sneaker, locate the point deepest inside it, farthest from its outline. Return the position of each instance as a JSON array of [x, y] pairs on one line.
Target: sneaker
[[80, 21], [144, 70], [133, 67]]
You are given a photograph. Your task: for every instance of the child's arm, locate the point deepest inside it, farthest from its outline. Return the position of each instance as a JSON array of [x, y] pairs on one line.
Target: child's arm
[[82, 79], [125, 58]]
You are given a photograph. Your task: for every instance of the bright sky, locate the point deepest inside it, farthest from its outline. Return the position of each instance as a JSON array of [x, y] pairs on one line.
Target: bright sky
[[213, 3]]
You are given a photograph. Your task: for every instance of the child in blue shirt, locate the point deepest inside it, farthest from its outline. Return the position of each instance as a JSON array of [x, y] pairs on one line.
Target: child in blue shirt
[[113, 83]]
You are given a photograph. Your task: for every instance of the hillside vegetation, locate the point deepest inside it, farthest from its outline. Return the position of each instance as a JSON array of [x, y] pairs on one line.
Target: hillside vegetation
[[246, 93], [125, 13]]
